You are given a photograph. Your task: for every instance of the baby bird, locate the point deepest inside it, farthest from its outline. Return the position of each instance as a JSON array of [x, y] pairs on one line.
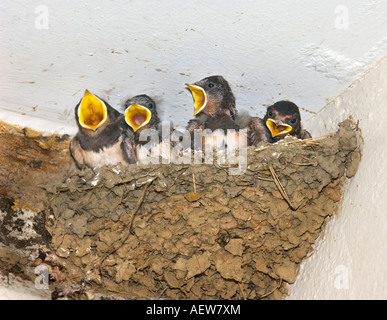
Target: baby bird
[[215, 110], [214, 104], [102, 136], [140, 115], [283, 118]]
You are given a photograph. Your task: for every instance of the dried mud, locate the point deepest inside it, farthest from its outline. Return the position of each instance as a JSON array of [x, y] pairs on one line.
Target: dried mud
[[171, 231]]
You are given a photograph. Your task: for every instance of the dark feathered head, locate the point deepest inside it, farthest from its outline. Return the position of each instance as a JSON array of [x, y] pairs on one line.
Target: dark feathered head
[[283, 118], [213, 95]]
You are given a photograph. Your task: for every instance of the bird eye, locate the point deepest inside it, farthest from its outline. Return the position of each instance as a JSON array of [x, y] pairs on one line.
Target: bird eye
[[210, 85], [150, 106], [293, 121], [270, 114]]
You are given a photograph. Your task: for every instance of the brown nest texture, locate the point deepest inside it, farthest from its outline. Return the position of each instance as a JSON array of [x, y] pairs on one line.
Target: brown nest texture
[[188, 231]]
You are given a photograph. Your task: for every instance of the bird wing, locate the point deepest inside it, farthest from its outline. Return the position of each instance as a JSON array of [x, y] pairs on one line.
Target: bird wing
[[257, 131], [128, 147], [304, 134], [76, 153]]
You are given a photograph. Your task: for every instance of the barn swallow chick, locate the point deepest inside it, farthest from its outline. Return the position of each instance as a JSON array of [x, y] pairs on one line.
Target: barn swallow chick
[[283, 118], [141, 114], [102, 136], [214, 109], [214, 104]]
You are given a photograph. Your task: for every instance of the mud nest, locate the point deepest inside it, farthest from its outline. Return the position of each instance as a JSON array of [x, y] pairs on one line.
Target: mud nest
[[194, 231]]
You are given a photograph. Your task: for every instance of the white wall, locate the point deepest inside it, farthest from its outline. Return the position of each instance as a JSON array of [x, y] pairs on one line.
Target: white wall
[[350, 263], [268, 50], [305, 51]]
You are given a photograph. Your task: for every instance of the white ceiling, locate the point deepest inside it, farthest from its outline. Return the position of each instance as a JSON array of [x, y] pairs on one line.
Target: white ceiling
[[303, 51]]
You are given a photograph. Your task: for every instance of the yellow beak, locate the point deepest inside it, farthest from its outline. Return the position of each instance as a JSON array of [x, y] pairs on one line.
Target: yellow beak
[[137, 116], [277, 129], [199, 96], [92, 112]]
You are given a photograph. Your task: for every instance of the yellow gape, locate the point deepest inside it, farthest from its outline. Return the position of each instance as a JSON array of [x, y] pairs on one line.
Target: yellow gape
[[277, 129], [137, 116], [92, 112], [199, 96]]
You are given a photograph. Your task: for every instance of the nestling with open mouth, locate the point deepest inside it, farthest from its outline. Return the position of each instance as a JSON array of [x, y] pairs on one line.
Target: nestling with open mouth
[[214, 104], [141, 114], [283, 118], [102, 136], [215, 110]]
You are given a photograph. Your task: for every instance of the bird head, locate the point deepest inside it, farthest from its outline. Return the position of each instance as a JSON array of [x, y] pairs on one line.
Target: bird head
[[283, 118], [212, 95], [140, 112]]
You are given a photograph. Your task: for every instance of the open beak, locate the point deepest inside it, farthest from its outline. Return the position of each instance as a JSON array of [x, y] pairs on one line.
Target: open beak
[[92, 112], [137, 116], [199, 96], [277, 128]]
